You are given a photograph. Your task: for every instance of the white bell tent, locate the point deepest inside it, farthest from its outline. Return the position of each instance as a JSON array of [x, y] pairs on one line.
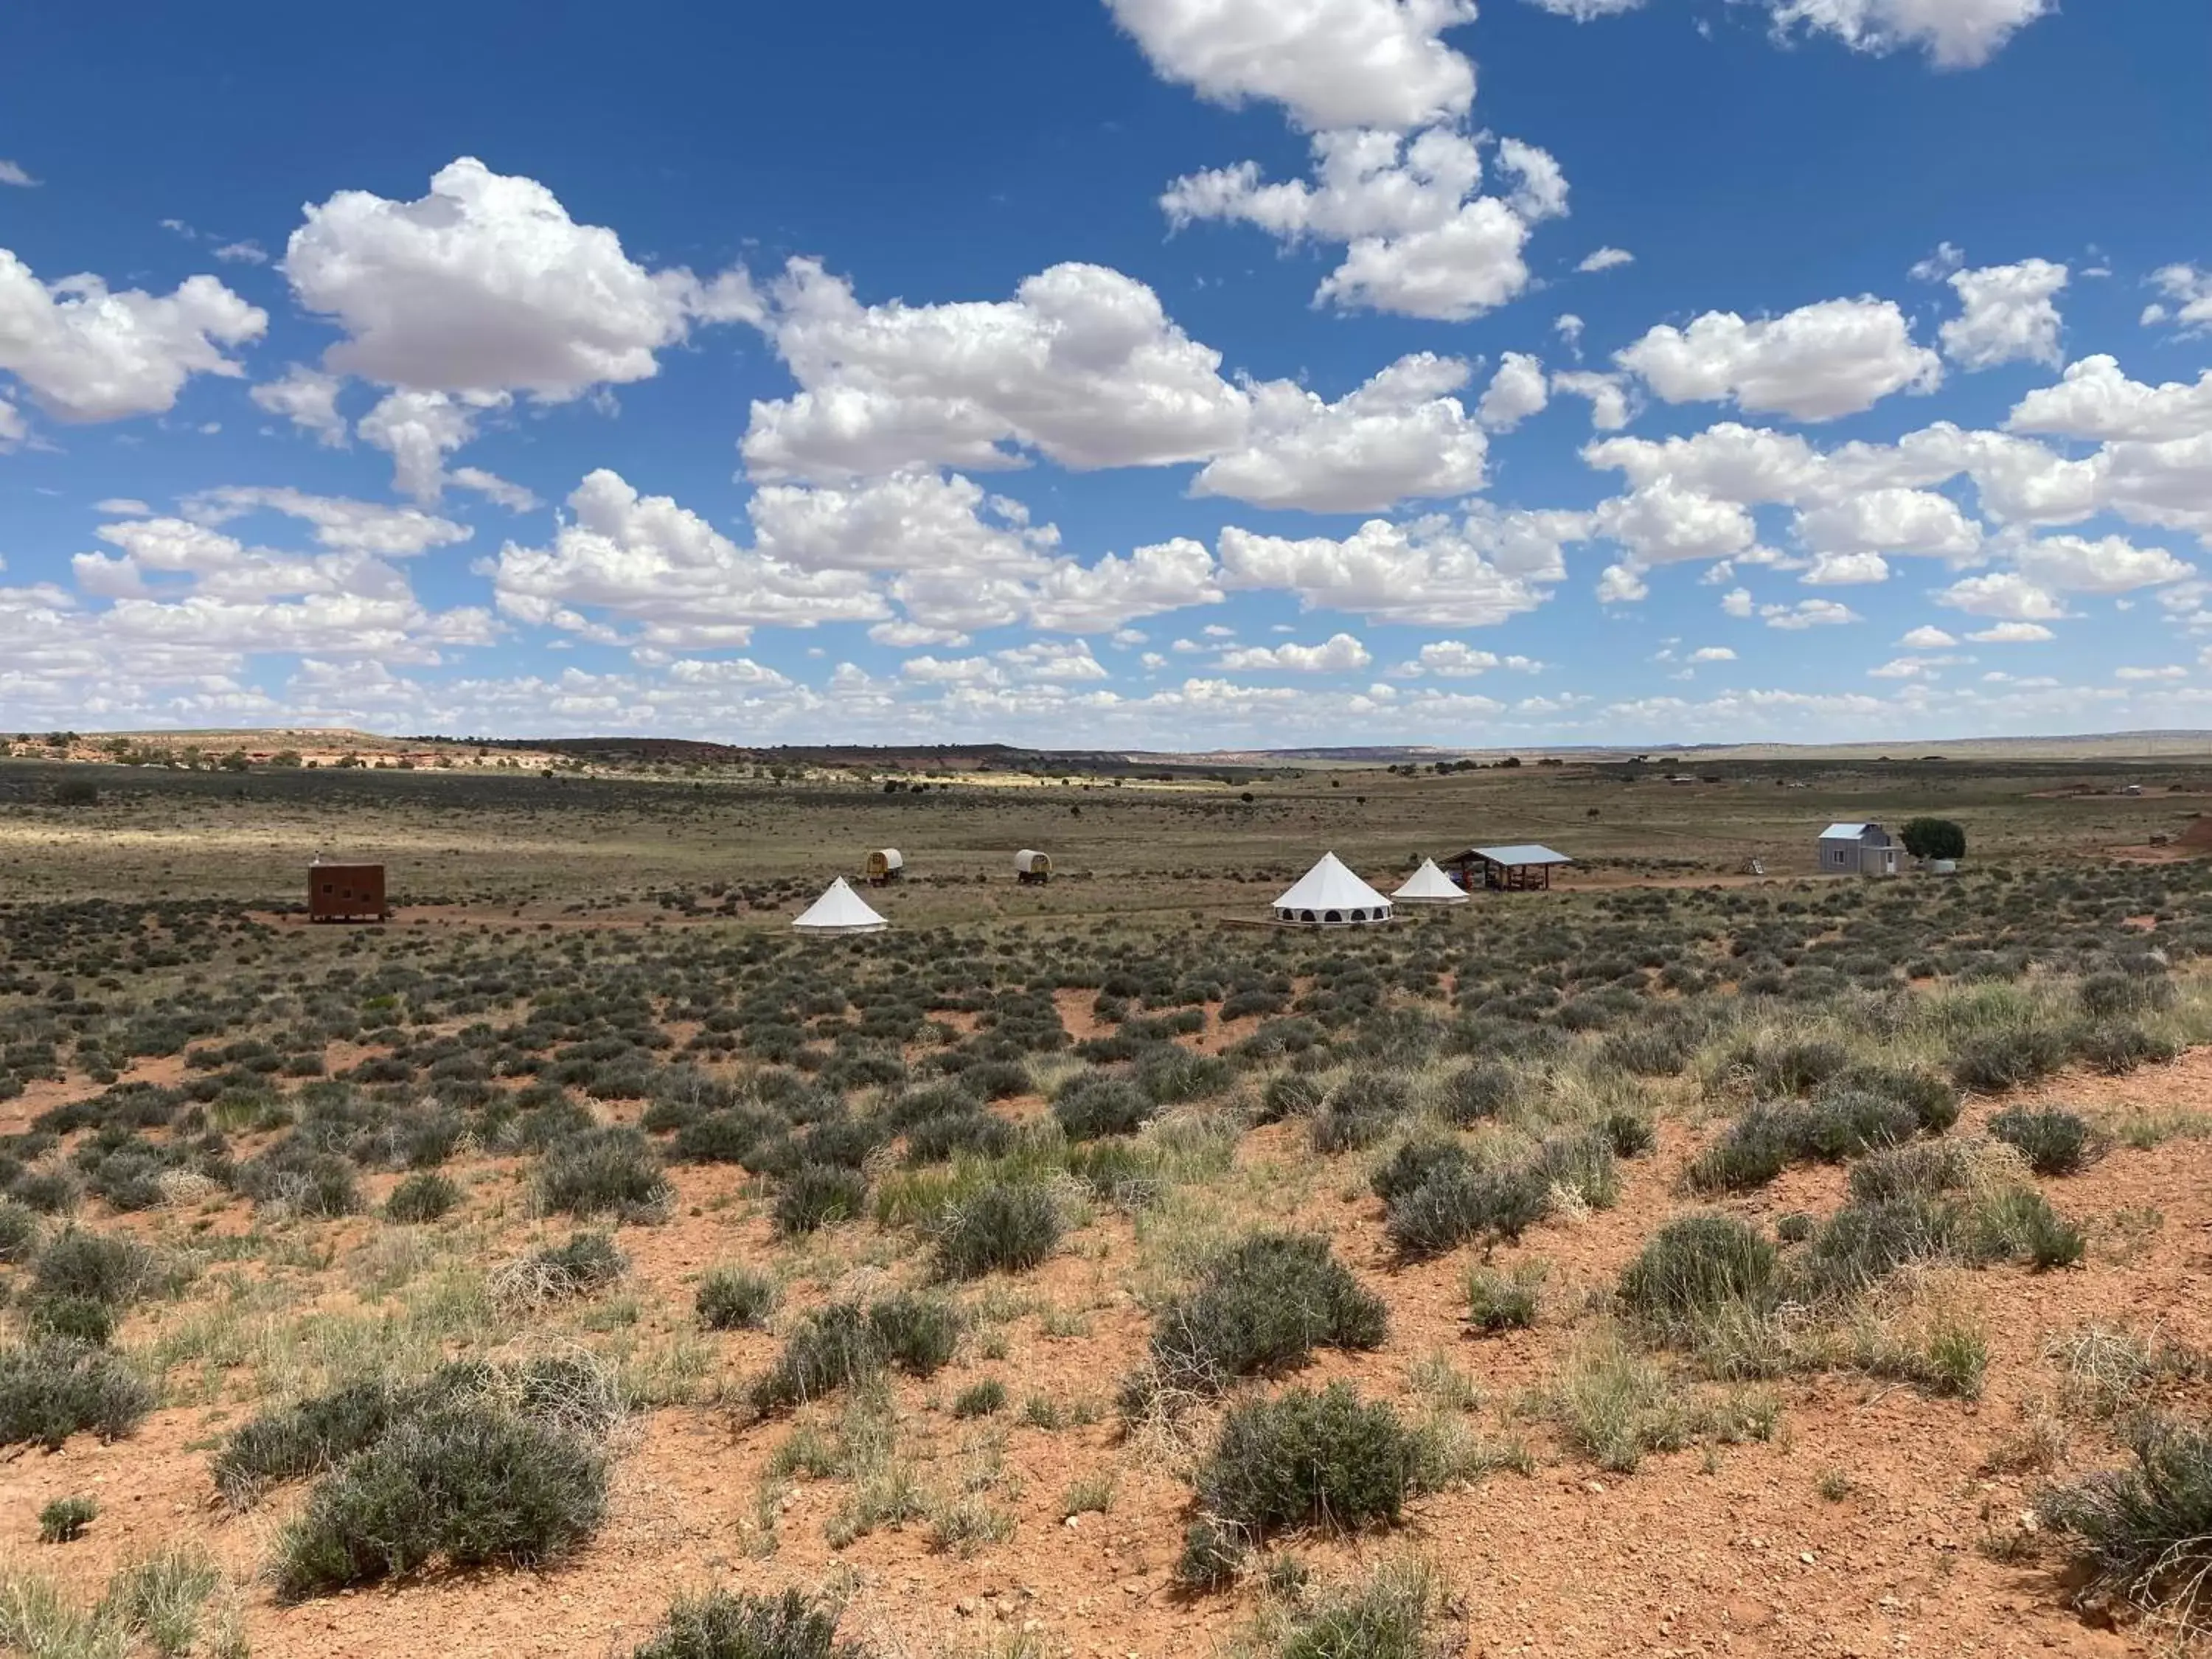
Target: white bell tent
[[1330, 896], [1430, 885], [840, 910]]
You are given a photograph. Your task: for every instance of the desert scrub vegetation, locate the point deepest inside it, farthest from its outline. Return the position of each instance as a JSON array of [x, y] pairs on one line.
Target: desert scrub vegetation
[[53, 1387], [1301, 1458], [734, 1299], [2142, 1535], [845, 1343], [1265, 1303], [1397, 1610], [166, 1604], [728, 1625], [476, 1465], [1005, 1227]]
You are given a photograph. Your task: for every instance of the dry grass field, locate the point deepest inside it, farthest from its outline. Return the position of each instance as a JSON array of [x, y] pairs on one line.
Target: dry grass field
[[1680, 1261]]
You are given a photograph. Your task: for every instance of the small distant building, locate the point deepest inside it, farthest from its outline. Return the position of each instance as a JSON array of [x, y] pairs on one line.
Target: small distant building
[[345, 892], [1032, 869], [1526, 869], [1859, 849], [886, 866]]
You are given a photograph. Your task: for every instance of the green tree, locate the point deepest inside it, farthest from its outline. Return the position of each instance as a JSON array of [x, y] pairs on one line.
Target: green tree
[[1934, 838]]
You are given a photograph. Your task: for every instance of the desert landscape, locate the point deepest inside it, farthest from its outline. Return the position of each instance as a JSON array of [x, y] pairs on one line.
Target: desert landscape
[[1679, 1260]]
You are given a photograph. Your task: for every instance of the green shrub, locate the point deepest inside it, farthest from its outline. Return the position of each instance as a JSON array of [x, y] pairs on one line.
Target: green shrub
[[2143, 1534], [1477, 1092], [1391, 1615], [96, 1266], [51, 1390], [734, 1299], [73, 1319], [1768, 1137], [1864, 1242], [1933, 838], [1268, 1302], [1092, 1105], [1360, 1110], [1750, 1153], [604, 1172], [19, 1231], [1004, 1227], [1630, 1133], [1692, 1266], [723, 1625], [985, 1398], [816, 1195], [1796, 1227], [422, 1197], [63, 1519], [463, 1488], [1303, 1457], [1994, 1062], [1415, 1162], [1504, 1302], [2054, 1142], [843, 1344], [2116, 1049], [1458, 1204], [2017, 1223]]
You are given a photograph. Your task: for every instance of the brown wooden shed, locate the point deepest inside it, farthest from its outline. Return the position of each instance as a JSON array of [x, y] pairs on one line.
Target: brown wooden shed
[[345, 892]]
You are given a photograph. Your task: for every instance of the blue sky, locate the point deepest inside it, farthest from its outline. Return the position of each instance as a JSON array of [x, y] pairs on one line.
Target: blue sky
[[1119, 373]]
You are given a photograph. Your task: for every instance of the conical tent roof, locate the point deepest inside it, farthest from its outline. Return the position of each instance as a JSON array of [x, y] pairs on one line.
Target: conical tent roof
[[840, 910], [1430, 885], [1329, 891]]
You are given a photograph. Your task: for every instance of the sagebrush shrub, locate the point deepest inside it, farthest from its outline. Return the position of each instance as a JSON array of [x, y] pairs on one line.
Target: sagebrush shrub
[[604, 1172], [1360, 1110], [50, 1390], [844, 1343], [1304, 1458], [2054, 1142], [1092, 1105], [96, 1266], [1694, 1266], [1270, 1301], [2143, 1534], [733, 1299], [1459, 1203], [722, 1624], [422, 1197], [64, 1520], [1994, 1062], [1415, 1162], [1864, 1242], [462, 1487], [1003, 1228], [816, 1195]]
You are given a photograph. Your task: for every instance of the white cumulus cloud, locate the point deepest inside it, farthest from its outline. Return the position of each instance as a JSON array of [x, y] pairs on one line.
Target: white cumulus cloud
[[1340, 653], [2009, 313], [87, 353], [1955, 33], [1821, 361], [486, 285], [1082, 365], [1516, 391], [1330, 63], [1420, 238], [1399, 437]]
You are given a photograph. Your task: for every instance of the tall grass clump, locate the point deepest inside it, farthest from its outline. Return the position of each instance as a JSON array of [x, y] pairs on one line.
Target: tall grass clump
[[1305, 1458], [1004, 1227], [845, 1343], [1694, 1268]]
